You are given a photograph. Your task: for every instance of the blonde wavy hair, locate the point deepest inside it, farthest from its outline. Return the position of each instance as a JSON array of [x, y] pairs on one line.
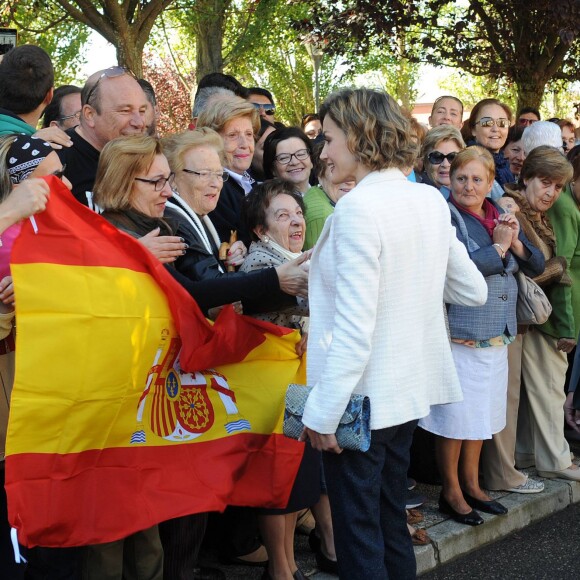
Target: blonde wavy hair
[[121, 160], [176, 147], [224, 110], [377, 132]]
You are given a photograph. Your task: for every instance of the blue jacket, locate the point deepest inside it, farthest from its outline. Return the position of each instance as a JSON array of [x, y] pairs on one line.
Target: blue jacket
[[498, 314]]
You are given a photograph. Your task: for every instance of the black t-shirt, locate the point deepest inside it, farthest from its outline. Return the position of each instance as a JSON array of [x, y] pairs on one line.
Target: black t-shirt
[[81, 162]]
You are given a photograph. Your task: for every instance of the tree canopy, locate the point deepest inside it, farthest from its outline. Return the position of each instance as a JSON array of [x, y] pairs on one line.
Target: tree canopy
[[527, 42]]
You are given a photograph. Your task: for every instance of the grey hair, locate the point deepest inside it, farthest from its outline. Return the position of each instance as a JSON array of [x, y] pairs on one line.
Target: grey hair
[[541, 133], [205, 95]]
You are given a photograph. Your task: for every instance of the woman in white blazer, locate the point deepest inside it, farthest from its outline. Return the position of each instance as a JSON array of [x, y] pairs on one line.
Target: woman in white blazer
[[384, 264]]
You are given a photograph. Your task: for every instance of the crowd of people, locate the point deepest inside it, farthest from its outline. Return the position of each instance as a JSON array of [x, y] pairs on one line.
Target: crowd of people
[[393, 248]]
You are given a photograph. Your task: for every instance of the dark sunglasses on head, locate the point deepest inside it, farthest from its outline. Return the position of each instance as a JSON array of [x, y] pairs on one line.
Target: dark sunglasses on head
[[436, 157], [268, 109], [110, 73]]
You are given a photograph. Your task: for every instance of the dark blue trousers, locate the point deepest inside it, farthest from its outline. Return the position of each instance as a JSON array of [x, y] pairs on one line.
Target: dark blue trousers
[[367, 493]]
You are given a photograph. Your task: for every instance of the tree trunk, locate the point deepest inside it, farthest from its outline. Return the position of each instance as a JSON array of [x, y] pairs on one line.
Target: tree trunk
[[209, 31], [530, 92], [130, 55]]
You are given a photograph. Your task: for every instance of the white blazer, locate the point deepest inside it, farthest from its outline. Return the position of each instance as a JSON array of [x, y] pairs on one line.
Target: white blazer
[[384, 264]]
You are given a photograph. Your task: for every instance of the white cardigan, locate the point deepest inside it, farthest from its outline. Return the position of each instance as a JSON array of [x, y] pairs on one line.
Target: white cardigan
[[384, 264]]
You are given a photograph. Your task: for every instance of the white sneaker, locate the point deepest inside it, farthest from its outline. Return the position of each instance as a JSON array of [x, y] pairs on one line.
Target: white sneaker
[[572, 473], [529, 486]]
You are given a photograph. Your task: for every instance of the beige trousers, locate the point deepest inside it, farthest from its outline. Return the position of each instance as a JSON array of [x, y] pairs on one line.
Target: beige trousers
[[498, 453], [540, 434]]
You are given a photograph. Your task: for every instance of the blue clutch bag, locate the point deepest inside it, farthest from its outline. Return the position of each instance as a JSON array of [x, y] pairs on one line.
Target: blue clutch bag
[[354, 429]]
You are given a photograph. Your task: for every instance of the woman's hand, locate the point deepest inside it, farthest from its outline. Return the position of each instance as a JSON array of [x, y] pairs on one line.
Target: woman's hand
[[165, 248], [571, 415], [566, 344], [502, 235], [319, 441], [510, 220], [236, 254], [7, 291], [292, 278]]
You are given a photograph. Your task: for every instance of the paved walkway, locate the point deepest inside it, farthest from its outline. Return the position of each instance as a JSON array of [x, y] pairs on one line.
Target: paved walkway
[[448, 538]]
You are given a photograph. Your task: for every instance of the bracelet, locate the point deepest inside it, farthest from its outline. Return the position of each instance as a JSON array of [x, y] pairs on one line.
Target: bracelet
[[501, 250]]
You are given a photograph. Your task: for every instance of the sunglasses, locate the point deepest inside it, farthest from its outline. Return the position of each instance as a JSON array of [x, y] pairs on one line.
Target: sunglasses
[[489, 122], [110, 73], [526, 122], [268, 109], [436, 157]]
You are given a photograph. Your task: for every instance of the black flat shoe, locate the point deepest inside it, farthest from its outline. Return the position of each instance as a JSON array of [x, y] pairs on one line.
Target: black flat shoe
[[489, 507], [326, 564], [470, 519]]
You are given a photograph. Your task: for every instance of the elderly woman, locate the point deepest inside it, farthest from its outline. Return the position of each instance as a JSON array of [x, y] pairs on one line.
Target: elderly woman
[[288, 155], [320, 200], [568, 136], [488, 126], [440, 147], [274, 213], [369, 302], [238, 122], [479, 336], [542, 350]]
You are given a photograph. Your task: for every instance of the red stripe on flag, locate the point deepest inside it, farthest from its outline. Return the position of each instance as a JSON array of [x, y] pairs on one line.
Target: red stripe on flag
[[107, 494]]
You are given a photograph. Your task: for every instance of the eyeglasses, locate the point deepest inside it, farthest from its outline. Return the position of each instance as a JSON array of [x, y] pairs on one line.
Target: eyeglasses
[[76, 115], [436, 157], [158, 184], [111, 73], [285, 158], [268, 109], [59, 172], [206, 175], [489, 122]]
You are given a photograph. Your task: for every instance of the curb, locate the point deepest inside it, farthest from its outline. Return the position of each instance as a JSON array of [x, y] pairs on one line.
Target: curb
[[451, 539]]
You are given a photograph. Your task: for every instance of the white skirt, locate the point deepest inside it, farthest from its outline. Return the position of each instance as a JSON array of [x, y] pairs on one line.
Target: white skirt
[[483, 375]]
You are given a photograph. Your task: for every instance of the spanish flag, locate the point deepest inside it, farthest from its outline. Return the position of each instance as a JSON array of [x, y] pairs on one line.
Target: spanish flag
[[129, 407]]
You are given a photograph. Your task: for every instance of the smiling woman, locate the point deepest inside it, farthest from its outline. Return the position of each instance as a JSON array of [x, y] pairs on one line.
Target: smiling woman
[[287, 155]]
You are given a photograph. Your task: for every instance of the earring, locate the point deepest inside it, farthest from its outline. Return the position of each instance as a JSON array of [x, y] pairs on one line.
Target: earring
[[265, 239]]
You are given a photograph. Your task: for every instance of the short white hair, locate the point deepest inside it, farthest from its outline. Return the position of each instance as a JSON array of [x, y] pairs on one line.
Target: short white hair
[[541, 133]]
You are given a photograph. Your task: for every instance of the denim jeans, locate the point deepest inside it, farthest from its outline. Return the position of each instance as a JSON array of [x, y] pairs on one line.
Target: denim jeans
[[367, 493]]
